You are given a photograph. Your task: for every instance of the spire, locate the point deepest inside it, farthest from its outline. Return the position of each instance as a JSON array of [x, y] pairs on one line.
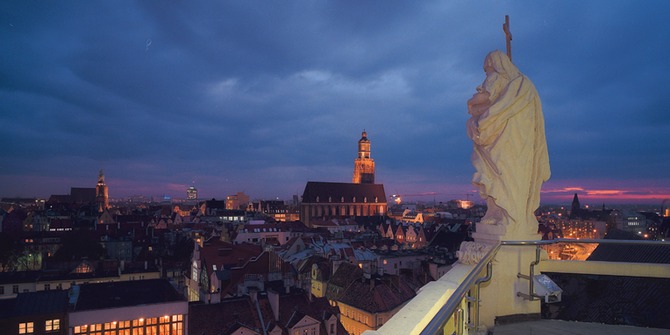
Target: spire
[[576, 207]]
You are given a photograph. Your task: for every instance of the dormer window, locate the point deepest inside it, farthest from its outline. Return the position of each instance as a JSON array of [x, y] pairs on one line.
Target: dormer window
[[330, 199], [342, 199], [365, 199], [354, 200], [317, 198]]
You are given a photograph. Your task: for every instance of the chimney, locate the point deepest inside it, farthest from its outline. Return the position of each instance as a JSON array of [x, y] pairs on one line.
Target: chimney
[[273, 298], [253, 294]]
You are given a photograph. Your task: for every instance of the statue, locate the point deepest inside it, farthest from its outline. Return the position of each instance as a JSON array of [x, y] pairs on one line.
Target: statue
[[510, 150]]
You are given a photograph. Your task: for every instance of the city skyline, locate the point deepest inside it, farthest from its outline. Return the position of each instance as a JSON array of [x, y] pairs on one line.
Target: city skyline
[[263, 97]]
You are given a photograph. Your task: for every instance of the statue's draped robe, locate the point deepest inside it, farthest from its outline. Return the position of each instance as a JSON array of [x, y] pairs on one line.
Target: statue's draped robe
[[510, 153]]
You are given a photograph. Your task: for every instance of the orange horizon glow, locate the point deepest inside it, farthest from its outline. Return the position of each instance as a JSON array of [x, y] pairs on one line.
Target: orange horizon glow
[[621, 195]]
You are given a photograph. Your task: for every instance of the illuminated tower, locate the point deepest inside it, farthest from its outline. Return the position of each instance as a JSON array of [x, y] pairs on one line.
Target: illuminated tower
[[364, 166], [101, 193], [192, 193]]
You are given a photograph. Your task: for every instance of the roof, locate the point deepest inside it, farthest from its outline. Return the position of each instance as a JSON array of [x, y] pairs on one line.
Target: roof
[[226, 255], [126, 293], [82, 194], [35, 303], [377, 295], [321, 192], [340, 280], [657, 254], [224, 317], [17, 277]]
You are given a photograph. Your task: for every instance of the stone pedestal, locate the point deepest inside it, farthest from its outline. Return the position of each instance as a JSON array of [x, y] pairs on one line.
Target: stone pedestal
[[499, 295]]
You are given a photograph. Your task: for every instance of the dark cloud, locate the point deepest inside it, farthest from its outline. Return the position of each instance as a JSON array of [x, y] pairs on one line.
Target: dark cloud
[[262, 97]]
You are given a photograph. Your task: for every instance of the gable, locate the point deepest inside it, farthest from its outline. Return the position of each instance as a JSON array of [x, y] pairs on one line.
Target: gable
[[306, 321], [242, 330]]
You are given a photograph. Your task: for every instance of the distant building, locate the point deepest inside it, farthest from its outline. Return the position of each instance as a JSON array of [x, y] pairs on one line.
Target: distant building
[[364, 166], [237, 201], [277, 209], [360, 198], [191, 193]]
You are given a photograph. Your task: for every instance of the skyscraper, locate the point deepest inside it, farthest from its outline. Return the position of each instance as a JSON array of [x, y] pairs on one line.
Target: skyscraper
[[192, 193], [364, 166]]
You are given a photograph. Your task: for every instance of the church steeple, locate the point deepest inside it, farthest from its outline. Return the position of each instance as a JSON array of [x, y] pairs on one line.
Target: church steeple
[[364, 166], [576, 207], [101, 193]]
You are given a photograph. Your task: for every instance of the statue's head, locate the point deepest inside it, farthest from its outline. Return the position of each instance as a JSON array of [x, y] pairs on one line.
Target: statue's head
[[501, 64]]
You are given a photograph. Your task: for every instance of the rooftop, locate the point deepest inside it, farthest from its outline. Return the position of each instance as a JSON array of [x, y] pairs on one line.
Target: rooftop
[[126, 293]]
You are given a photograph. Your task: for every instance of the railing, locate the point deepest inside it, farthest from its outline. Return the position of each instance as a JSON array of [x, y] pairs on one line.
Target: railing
[[452, 308], [452, 317]]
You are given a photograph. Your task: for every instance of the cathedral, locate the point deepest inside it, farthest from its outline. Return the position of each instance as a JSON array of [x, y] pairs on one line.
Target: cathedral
[[361, 197]]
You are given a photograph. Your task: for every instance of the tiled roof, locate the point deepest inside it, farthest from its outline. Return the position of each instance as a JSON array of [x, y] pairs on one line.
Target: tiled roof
[[377, 295], [297, 302], [224, 317], [226, 255], [345, 274], [336, 191]]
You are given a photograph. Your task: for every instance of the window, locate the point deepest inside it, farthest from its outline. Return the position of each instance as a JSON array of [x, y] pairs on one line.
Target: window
[[124, 328], [177, 325], [15, 289], [47, 287], [52, 325], [2, 290], [26, 327], [96, 329]]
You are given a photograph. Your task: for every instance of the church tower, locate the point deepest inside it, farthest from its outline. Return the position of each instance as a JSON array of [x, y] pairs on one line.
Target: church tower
[[101, 193], [576, 208], [364, 166]]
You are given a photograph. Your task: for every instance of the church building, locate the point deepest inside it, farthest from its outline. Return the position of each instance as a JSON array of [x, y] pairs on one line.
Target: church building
[[361, 197]]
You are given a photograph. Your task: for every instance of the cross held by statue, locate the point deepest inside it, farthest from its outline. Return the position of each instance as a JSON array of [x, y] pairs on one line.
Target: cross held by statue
[[508, 36]]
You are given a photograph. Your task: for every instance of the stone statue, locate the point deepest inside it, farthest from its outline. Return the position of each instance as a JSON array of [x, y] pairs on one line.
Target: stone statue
[[510, 150]]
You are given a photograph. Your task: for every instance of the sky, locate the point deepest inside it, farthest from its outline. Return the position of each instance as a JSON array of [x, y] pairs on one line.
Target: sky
[[262, 96]]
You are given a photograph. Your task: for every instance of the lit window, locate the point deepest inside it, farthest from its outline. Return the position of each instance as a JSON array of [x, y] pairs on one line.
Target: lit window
[[26, 327], [52, 325]]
